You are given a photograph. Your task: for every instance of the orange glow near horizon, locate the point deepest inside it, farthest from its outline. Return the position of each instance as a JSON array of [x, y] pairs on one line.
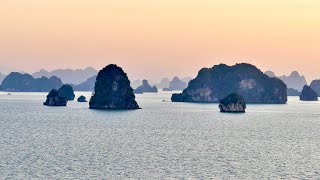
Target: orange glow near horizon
[[161, 38]]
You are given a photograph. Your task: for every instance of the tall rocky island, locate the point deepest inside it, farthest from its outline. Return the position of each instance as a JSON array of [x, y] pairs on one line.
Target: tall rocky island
[[308, 94], [213, 84], [112, 90]]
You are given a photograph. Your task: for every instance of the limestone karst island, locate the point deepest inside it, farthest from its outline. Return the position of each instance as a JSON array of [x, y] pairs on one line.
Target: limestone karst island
[[160, 89]]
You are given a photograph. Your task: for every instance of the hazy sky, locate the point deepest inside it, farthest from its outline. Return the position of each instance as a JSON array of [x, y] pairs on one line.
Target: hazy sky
[[155, 38]]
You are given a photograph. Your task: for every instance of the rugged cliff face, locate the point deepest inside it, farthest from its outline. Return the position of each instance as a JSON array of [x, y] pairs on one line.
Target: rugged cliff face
[[308, 94], [233, 103], [145, 88], [112, 90], [213, 84]]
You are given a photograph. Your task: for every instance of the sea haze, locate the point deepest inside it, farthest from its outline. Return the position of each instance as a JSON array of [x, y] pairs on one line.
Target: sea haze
[[163, 140]]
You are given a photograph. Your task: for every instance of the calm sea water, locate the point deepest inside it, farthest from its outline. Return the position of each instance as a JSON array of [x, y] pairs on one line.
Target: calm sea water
[[163, 140]]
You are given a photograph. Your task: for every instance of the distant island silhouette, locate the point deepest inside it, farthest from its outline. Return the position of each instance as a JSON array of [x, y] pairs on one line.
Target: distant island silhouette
[[213, 84], [145, 88], [17, 82], [293, 81], [68, 76]]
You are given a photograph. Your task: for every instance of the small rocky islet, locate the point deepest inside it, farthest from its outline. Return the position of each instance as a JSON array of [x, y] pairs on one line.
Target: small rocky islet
[[82, 99], [60, 97], [308, 94], [233, 103], [112, 90], [54, 98]]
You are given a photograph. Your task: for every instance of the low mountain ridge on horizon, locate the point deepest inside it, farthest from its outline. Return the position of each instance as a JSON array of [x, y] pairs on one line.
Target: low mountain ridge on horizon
[[18, 82], [68, 76], [88, 84]]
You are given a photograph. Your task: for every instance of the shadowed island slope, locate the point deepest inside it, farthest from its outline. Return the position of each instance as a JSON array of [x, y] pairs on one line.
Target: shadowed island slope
[[308, 94], [315, 85], [66, 91], [112, 90], [213, 84]]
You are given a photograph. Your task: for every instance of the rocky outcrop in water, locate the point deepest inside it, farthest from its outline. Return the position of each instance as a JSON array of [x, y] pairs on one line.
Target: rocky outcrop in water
[[293, 92], [67, 91], [112, 90], [233, 103], [145, 88], [55, 99], [213, 84], [82, 99], [315, 85], [17, 82], [308, 94]]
